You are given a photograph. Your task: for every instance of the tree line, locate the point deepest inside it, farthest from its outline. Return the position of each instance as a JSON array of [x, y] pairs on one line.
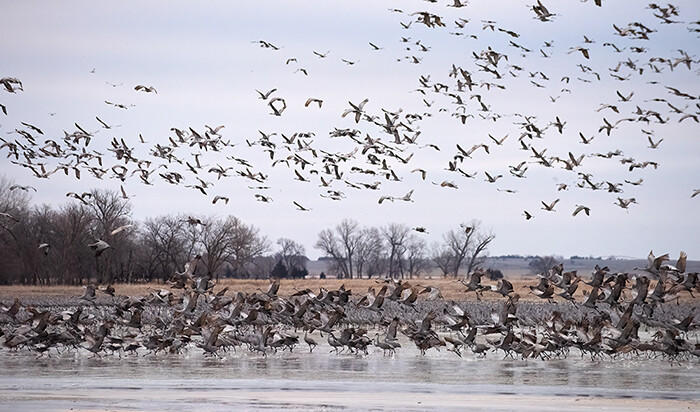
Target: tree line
[[398, 251], [46, 245]]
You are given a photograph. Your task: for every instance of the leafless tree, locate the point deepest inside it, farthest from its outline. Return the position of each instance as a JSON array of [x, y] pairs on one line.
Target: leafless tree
[[14, 209], [68, 248], [340, 245], [478, 252], [442, 256], [247, 244], [370, 256], [109, 211], [466, 246], [159, 248], [542, 264], [39, 229], [292, 254], [217, 242], [12, 200], [261, 267], [415, 256], [396, 237], [164, 247]]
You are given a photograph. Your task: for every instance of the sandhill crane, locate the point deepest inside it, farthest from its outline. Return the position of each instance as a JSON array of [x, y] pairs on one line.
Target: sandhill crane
[[384, 346], [549, 207], [432, 291], [406, 197], [89, 294], [300, 207], [24, 188], [568, 293], [147, 89], [94, 342], [541, 11], [653, 144], [81, 197], [334, 342], [313, 100], [580, 208], [357, 110], [45, 247], [492, 179], [373, 301], [547, 293], [504, 287], [99, 247], [458, 321], [194, 221], [276, 108], [13, 310], [474, 284], [654, 263], [120, 229], [266, 95], [310, 341], [410, 296], [625, 203], [593, 298]]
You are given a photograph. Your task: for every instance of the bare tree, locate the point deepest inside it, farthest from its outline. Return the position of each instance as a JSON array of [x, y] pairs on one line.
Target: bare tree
[[39, 229], [159, 249], [415, 255], [542, 264], [348, 233], [68, 243], [14, 216], [217, 242], [261, 267], [341, 245], [291, 254], [467, 246], [163, 248], [396, 236], [478, 252], [12, 200], [109, 211], [442, 256], [247, 244], [370, 255]]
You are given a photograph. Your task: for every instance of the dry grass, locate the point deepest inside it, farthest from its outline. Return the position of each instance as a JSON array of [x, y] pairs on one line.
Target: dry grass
[[450, 288]]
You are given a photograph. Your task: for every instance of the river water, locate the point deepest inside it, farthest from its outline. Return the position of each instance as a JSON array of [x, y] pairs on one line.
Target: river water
[[322, 380]]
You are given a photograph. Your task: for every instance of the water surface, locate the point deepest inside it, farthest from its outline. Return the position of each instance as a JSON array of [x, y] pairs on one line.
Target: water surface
[[319, 380]]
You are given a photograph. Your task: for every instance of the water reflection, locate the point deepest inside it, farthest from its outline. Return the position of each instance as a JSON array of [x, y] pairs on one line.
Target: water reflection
[[422, 369], [506, 373], [442, 371]]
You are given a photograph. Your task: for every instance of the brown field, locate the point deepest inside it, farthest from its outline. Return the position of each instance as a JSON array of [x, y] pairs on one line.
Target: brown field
[[451, 289]]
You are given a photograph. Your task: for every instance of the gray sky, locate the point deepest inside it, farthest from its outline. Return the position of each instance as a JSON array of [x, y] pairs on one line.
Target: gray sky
[[205, 62]]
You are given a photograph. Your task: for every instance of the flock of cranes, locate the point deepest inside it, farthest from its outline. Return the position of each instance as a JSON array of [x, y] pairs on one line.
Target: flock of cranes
[[386, 143], [191, 313]]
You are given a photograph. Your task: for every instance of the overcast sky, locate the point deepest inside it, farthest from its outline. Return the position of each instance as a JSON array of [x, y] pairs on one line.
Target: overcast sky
[[206, 61]]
